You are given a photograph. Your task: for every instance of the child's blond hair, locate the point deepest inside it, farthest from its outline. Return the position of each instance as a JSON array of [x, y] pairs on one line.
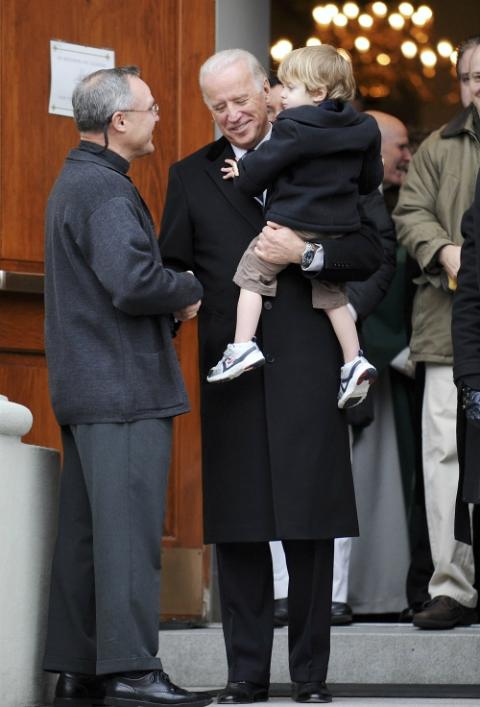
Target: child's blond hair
[[320, 67]]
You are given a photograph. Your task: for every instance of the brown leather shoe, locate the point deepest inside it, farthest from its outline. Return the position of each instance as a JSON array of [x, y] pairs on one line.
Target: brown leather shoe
[[443, 612]]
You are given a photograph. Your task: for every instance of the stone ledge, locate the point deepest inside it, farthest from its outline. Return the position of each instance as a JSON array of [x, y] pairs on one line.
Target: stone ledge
[[362, 654]]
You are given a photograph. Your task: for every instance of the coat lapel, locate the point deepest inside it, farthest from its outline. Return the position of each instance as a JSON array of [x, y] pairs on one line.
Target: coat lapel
[[248, 207]]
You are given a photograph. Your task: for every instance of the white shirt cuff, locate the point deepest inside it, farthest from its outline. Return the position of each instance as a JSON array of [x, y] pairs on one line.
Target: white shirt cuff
[[352, 311]]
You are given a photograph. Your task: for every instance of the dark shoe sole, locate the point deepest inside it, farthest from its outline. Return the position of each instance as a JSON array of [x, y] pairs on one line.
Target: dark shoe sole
[[124, 702], [341, 620], [258, 697], [312, 700], [77, 702]]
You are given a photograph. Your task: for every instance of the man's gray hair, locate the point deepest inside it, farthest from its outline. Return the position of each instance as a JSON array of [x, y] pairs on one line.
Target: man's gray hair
[[228, 57], [468, 43], [99, 95]]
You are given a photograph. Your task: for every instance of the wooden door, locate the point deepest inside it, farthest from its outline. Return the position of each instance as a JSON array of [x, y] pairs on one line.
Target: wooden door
[[168, 40]]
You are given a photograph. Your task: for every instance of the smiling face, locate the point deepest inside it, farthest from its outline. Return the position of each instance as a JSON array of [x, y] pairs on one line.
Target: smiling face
[[140, 121], [238, 104], [295, 94]]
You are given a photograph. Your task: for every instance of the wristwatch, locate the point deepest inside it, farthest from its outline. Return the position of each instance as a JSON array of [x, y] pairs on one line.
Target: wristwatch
[[308, 255]]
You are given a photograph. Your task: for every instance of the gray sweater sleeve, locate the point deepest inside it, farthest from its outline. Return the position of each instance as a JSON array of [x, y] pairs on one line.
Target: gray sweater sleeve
[[123, 257]]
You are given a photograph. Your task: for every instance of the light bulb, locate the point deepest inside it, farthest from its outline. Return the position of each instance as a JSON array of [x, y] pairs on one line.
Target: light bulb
[[365, 21], [362, 44], [409, 49], [428, 57], [351, 10], [396, 21], [280, 49]]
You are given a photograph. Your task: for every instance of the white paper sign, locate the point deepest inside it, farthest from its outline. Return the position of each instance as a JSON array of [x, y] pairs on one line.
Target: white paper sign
[[69, 63]]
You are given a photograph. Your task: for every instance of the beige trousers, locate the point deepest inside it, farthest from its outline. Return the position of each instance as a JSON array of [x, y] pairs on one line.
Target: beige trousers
[[453, 574]]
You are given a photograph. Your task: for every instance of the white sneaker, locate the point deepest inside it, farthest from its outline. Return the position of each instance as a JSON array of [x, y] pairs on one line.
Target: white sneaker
[[356, 377], [236, 359]]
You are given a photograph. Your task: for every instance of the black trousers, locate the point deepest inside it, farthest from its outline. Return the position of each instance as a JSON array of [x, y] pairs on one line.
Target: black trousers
[[246, 596], [105, 587]]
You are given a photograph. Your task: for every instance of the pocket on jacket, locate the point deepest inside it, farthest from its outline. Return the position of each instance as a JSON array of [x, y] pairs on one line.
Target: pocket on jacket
[[158, 381]]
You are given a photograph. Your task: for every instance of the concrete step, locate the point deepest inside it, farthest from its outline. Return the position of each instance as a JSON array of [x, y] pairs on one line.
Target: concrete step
[[361, 655]]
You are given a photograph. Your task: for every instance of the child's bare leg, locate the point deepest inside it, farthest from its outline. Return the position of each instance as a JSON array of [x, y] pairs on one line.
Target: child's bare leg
[[249, 309], [345, 330]]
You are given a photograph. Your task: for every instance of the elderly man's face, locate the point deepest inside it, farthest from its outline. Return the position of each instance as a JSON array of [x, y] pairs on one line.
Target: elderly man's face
[[238, 105], [475, 78], [274, 102], [396, 153]]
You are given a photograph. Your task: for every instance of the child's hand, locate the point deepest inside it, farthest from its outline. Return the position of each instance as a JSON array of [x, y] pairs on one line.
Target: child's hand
[[231, 171]]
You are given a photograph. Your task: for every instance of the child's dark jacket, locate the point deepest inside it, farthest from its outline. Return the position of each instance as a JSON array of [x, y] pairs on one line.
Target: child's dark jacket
[[315, 165]]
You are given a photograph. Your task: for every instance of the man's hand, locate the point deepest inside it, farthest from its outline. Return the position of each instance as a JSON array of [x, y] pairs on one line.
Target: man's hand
[[449, 258], [231, 171], [189, 312], [279, 245]]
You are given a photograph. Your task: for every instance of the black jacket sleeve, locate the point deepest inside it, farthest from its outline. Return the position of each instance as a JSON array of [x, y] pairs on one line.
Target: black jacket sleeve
[[354, 256], [260, 167], [365, 296], [371, 175]]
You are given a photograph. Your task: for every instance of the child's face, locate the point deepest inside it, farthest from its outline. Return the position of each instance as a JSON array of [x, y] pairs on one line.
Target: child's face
[[295, 94]]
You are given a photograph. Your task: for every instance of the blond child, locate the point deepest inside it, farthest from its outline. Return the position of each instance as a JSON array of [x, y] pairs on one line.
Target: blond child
[[321, 155]]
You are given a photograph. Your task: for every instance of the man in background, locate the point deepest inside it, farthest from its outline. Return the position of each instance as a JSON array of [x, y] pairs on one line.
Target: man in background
[[438, 190]]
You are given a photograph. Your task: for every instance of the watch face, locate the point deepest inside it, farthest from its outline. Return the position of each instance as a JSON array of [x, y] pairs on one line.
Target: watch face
[[307, 257]]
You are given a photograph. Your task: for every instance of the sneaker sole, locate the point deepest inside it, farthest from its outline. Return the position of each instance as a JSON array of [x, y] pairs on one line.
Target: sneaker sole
[[360, 391], [235, 372], [124, 702]]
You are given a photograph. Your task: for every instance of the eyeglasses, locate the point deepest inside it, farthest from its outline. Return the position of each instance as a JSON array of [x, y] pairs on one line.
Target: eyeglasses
[[155, 109]]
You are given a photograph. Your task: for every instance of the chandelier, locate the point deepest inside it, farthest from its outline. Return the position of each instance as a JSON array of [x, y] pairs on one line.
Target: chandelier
[[385, 46]]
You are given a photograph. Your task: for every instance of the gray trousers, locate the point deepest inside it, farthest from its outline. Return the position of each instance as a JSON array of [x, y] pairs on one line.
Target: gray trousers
[[105, 587]]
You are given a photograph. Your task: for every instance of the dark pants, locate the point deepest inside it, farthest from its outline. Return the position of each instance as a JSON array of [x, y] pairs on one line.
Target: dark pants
[[246, 596], [104, 601]]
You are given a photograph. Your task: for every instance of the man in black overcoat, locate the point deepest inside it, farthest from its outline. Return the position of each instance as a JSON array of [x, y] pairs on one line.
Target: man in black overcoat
[[275, 445]]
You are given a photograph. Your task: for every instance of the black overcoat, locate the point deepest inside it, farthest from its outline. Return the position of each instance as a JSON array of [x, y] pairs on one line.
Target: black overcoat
[[466, 364], [275, 446]]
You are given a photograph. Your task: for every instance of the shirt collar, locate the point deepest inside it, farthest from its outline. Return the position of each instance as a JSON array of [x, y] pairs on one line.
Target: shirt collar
[[110, 156], [239, 151]]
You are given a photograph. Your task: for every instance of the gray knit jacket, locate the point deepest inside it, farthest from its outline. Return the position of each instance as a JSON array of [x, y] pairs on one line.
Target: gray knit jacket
[[108, 298]]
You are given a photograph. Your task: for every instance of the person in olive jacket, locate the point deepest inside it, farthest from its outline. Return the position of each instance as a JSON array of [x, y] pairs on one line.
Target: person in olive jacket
[[438, 189]]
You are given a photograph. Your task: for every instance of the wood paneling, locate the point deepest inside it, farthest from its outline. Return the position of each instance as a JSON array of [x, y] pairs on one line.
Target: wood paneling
[[168, 40]]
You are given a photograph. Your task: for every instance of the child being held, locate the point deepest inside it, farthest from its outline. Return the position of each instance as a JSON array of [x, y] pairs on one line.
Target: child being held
[[321, 155]]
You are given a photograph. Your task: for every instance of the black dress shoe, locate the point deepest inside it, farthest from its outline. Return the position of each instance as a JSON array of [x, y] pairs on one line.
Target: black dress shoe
[[310, 692], [443, 612], [341, 614], [78, 690], [241, 693], [280, 612], [152, 688]]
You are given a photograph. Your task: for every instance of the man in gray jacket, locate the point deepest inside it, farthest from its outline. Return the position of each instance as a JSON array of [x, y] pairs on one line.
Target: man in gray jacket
[[115, 385]]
